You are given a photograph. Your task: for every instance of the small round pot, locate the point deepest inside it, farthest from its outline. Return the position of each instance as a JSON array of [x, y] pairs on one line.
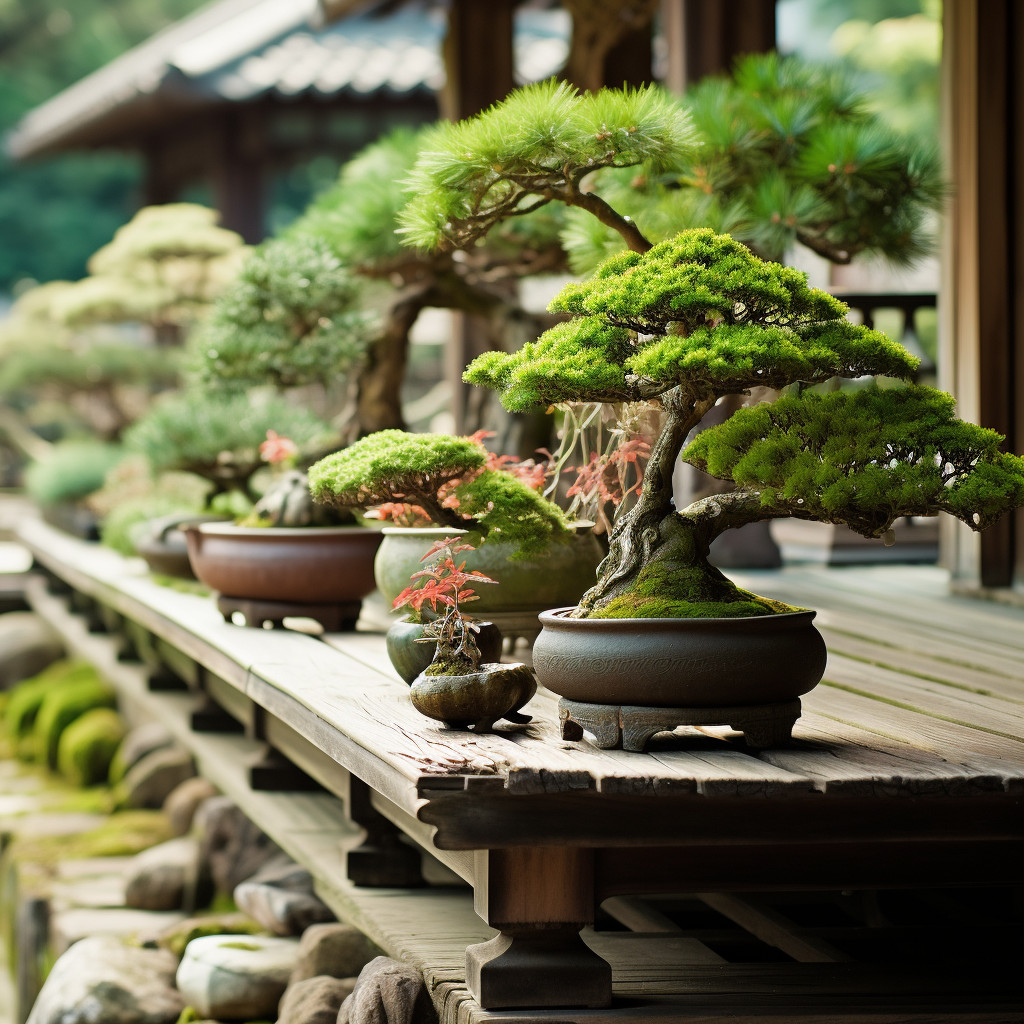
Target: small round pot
[[410, 657], [679, 663], [478, 699], [560, 576], [161, 542], [313, 565]]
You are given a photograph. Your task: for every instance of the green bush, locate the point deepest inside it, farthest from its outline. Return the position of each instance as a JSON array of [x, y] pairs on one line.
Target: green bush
[[86, 747], [27, 697], [64, 705], [71, 470]]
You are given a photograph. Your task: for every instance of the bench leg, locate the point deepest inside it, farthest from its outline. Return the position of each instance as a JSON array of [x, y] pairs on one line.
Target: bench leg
[[383, 859], [538, 898]]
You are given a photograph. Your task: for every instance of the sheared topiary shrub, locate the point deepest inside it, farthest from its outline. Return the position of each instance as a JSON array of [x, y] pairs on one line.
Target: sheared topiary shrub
[[70, 471], [26, 698], [86, 747], [64, 705]]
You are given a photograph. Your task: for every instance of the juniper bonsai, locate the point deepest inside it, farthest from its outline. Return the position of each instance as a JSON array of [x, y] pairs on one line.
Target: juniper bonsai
[[699, 317], [445, 476]]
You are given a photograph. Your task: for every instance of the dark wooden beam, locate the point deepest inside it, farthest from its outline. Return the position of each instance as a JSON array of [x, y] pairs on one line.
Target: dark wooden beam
[[704, 38], [477, 56]]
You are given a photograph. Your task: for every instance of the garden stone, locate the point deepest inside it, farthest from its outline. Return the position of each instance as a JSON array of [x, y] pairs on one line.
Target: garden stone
[[102, 979], [281, 898], [140, 741], [29, 644], [151, 780], [232, 847], [168, 876], [388, 992], [178, 935], [236, 977], [184, 800], [68, 927], [314, 1001], [336, 950]]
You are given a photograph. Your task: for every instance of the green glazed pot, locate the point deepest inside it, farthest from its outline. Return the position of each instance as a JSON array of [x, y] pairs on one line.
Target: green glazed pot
[[478, 699], [410, 657], [559, 577]]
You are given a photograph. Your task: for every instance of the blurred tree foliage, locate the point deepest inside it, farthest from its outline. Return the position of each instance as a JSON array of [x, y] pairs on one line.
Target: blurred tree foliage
[[55, 213]]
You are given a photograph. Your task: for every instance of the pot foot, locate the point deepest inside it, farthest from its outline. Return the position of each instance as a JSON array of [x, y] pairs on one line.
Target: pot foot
[[612, 726], [334, 618]]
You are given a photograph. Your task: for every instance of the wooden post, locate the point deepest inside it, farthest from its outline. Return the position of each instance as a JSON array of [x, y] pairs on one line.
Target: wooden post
[[538, 898], [981, 323], [237, 173], [705, 38]]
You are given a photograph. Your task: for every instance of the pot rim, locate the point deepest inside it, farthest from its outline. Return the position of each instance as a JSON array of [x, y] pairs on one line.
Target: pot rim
[[486, 668], [557, 619], [234, 530], [432, 531]]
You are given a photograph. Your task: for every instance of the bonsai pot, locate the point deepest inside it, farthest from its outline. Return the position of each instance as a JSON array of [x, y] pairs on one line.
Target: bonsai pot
[[625, 680], [478, 699], [279, 566], [161, 542], [410, 657], [761, 659], [560, 576]]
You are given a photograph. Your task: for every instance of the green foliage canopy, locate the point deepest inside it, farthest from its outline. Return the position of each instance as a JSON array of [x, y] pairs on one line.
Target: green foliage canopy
[[699, 312], [288, 319], [864, 458], [534, 146], [444, 475]]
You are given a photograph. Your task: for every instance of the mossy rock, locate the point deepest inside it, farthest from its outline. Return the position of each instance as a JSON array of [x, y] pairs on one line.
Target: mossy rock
[[27, 697], [64, 705], [87, 746], [123, 834], [235, 923]]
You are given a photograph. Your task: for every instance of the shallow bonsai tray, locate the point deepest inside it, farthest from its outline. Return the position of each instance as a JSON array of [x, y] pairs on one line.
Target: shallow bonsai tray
[[615, 726]]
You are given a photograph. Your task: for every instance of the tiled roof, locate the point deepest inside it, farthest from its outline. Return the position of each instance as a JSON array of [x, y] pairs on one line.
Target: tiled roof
[[241, 50]]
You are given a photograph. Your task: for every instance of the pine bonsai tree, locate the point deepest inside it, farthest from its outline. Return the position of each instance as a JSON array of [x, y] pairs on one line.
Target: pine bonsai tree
[[699, 317], [782, 152], [448, 478]]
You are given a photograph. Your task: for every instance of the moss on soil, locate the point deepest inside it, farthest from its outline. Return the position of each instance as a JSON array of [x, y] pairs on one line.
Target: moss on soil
[[87, 746], [123, 834]]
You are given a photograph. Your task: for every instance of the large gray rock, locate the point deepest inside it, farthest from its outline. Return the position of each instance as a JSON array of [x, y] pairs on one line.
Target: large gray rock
[[388, 992], [236, 977], [335, 950], [151, 779], [280, 896], [140, 741], [100, 979], [184, 800], [314, 1001], [232, 847], [28, 644], [168, 876]]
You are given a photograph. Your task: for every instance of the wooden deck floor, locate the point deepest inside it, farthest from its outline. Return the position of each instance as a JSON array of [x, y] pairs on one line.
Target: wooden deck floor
[[922, 706]]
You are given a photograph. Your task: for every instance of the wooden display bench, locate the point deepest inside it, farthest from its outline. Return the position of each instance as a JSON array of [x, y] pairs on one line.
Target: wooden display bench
[[907, 770]]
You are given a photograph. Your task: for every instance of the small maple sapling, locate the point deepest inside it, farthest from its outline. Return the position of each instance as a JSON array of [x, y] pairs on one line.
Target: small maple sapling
[[451, 586]]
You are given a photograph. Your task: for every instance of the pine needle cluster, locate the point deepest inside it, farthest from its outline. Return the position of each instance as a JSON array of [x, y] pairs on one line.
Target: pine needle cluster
[[535, 146]]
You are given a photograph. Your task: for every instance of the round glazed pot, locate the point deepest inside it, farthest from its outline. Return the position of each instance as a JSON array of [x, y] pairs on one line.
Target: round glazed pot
[[680, 663], [410, 657], [161, 542], [315, 565], [560, 576], [478, 699]]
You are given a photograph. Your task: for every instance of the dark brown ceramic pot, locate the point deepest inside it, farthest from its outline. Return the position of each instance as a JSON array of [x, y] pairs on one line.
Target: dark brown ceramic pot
[[478, 699], [410, 656], [312, 565], [679, 663]]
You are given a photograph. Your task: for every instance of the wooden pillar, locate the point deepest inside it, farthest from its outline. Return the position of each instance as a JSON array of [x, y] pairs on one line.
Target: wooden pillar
[[237, 172], [704, 37], [981, 321], [477, 56]]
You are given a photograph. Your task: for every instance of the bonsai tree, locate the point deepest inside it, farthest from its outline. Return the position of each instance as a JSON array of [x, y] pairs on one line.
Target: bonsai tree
[[782, 152], [447, 477], [288, 319], [700, 317], [218, 437]]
